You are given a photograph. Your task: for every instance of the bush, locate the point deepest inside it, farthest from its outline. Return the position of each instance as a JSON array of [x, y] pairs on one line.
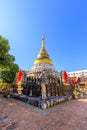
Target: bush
[[3, 86]]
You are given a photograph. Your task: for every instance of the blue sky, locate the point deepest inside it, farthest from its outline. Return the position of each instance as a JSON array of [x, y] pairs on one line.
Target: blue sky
[[64, 23]]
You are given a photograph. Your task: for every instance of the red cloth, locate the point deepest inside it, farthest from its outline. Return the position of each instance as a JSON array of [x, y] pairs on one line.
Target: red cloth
[[74, 80], [19, 76], [65, 75]]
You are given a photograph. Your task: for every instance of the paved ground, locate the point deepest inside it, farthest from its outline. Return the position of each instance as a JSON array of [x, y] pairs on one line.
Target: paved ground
[[16, 115]]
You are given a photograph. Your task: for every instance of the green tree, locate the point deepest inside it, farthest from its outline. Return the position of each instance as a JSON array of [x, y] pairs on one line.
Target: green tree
[[8, 76], [5, 58], [8, 68]]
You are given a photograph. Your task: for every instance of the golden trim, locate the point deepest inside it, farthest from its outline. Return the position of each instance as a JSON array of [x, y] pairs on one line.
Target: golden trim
[[43, 60]]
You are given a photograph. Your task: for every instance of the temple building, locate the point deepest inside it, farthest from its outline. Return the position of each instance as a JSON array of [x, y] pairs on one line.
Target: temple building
[[42, 80], [77, 74], [43, 86]]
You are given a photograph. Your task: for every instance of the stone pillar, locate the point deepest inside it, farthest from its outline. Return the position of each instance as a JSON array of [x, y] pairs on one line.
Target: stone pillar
[[43, 87]]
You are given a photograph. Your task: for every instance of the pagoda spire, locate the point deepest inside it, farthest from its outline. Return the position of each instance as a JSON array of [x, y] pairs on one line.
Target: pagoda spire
[[43, 37], [43, 41], [43, 56], [43, 53]]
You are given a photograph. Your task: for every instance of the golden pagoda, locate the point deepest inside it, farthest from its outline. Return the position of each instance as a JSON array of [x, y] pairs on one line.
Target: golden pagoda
[[42, 80], [42, 85]]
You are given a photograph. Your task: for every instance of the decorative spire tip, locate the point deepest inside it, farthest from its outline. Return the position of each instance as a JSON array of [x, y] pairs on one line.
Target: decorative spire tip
[[43, 37]]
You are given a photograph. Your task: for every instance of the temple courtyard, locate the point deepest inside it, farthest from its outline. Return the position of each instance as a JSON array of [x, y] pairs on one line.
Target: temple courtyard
[[17, 115]]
